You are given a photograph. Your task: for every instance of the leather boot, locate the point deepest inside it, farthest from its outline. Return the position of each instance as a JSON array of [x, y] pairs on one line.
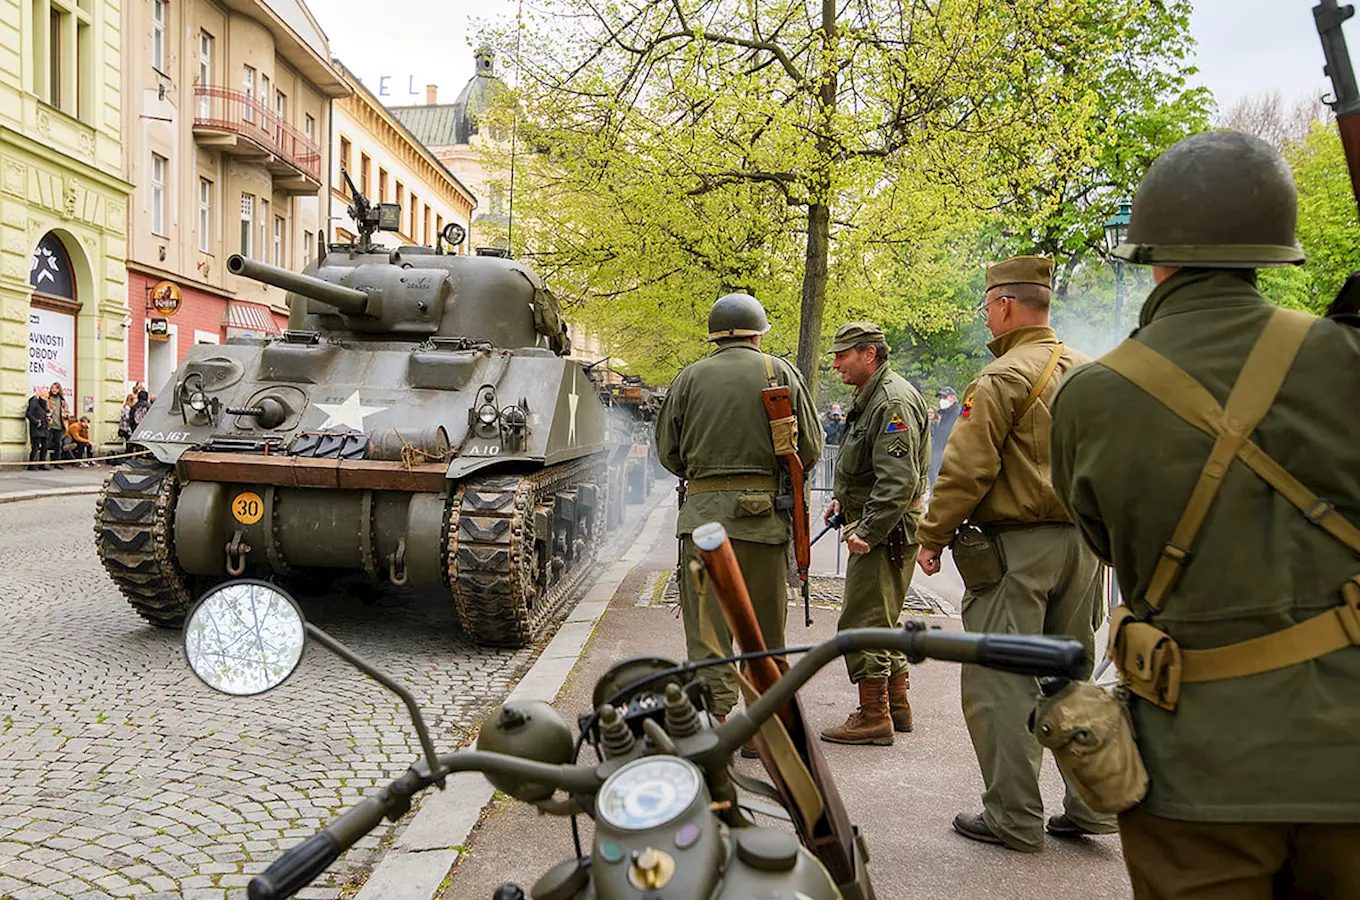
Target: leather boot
[[898, 704], [871, 723]]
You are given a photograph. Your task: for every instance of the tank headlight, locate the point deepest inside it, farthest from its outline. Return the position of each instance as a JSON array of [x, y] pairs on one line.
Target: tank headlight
[[487, 414], [198, 402]]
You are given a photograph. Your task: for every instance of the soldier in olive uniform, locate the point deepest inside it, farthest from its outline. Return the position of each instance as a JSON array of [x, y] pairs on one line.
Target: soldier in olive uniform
[[713, 432], [1193, 458], [1029, 572], [880, 477]]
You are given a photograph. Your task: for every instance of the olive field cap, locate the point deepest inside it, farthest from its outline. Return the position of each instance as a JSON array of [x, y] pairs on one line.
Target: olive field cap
[[736, 316], [1218, 199], [1021, 270], [856, 333]]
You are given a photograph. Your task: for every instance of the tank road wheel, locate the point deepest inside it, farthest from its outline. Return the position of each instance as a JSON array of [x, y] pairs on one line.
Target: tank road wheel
[[506, 585], [134, 531]]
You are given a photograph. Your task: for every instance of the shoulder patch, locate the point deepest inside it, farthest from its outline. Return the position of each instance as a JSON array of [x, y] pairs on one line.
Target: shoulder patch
[[896, 423], [898, 449], [967, 405]]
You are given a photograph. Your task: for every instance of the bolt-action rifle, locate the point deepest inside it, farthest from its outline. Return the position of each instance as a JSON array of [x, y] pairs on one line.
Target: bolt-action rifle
[[1345, 103], [784, 428]]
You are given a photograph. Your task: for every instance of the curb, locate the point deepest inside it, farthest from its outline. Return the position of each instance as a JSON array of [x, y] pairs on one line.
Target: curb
[[18, 496], [428, 847]]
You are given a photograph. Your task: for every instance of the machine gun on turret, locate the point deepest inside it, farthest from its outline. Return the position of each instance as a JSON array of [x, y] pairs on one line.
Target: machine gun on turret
[[369, 217]]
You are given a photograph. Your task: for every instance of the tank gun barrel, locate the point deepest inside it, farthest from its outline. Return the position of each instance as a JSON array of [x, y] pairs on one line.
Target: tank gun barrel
[[349, 301]]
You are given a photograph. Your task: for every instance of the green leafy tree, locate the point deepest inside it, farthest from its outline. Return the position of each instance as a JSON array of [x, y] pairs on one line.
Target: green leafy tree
[[823, 156]]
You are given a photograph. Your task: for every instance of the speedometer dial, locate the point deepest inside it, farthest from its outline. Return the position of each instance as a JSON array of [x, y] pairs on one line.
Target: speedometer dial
[[648, 792]]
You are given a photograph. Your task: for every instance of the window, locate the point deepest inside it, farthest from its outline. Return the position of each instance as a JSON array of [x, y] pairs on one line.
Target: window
[[264, 106], [382, 185], [281, 115], [205, 73], [309, 127], [438, 226], [428, 239], [63, 55], [415, 208], [364, 165], [158, 194], [264, 229], [278, 240], [248, 88], [344, 164], [158, 35], [205, 215], [247, 224], [401, 194], [306, 247]]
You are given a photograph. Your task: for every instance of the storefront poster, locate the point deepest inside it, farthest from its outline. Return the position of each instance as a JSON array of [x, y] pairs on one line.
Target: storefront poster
[[52, 350]]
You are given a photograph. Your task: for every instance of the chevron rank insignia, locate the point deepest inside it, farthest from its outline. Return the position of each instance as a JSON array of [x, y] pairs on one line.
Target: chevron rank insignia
[[897, 449], [896, 424]]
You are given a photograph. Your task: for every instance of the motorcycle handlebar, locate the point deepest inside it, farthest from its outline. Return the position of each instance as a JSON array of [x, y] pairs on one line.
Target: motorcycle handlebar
[[1022, 654]]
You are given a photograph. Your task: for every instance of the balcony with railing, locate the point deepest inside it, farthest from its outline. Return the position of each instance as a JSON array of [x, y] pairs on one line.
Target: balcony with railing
[[242, 126]]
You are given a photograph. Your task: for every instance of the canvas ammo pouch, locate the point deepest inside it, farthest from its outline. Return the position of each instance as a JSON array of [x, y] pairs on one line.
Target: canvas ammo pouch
[[1148, 658], [979, 558], [1091, 735]]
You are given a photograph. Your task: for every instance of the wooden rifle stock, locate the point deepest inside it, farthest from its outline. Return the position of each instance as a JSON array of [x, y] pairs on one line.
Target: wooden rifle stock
[[831, 838], [779, 406]]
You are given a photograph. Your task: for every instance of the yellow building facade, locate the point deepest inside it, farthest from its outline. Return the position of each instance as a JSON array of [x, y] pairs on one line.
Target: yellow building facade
[[63, 212]]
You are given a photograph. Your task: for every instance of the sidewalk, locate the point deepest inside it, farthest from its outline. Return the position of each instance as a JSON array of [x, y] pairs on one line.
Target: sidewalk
[[27, 483], [902, 797]]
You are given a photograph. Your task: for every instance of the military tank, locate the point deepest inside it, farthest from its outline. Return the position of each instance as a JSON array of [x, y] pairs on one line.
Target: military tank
[[416, 422]]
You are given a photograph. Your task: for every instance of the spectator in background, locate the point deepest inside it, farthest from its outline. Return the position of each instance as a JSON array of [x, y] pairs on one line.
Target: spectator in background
[[59, 412], [138, 411], [835, 424], [77, 443], [941, 424], [125, 418], [38, 422]]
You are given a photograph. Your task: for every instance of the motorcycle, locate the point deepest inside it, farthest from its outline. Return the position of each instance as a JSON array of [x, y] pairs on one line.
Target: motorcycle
[[673, 819]]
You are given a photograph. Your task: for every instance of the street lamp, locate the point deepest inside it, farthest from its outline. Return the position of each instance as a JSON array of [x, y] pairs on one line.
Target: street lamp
[[1116, 231]]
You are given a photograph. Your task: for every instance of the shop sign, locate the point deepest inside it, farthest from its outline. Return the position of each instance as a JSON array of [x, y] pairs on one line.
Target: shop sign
[[158, 329], [51, 350], [165, 298]]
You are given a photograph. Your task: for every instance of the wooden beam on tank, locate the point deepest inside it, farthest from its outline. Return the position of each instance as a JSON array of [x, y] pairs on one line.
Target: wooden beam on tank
[[302, 471]]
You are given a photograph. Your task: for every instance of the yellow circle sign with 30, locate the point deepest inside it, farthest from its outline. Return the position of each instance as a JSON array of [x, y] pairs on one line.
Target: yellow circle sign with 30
[[247, 508]]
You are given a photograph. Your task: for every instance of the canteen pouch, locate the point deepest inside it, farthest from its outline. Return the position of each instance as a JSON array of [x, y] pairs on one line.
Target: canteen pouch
[[978, 558], [755, 504], [1091, 735], [1148, 659]]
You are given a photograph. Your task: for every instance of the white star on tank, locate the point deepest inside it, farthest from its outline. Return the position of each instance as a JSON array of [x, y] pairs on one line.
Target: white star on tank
[[350, 413]]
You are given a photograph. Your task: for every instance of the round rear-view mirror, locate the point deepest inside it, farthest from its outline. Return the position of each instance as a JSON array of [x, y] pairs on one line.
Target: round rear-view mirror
[[244, 637]]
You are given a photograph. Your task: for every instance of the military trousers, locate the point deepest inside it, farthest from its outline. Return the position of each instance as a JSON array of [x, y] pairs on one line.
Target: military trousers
[[874, 593], [1051, 586], [1170, 859], [764, 568]]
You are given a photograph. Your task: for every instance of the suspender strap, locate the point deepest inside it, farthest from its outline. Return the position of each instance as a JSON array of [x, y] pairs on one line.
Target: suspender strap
[[1042, 383], [769, 370], [1252, 395]]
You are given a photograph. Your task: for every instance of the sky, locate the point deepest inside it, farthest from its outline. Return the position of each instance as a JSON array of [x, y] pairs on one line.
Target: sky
[[1245, 47]]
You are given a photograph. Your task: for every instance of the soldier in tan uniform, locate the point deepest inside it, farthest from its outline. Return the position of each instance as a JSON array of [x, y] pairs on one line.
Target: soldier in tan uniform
[[1023, 563], [713, 431], [880, 477]]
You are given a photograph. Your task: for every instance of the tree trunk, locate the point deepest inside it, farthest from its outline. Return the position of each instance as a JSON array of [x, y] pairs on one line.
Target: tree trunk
[[819, 209]]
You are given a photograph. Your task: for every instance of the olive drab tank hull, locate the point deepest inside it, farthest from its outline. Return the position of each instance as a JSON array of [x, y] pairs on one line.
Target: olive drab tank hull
[[417, 423]]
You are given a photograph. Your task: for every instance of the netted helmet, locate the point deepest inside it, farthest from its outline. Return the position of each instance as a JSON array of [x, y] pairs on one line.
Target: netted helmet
[[735, 316], [1220, 199]]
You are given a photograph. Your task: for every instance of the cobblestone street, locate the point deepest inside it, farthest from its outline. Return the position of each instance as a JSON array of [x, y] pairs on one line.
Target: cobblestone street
[[122, 775]]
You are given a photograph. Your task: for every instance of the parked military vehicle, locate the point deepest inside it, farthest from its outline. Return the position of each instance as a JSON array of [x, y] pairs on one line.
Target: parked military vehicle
[[633, 465], [415, 422]]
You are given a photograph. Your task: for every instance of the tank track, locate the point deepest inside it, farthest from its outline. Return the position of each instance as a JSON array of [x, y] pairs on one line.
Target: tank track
[[495, 573], [134, 534]]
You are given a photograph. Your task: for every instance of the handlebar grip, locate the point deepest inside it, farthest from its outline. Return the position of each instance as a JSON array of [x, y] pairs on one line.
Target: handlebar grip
[[296, 869], [1032, 655]]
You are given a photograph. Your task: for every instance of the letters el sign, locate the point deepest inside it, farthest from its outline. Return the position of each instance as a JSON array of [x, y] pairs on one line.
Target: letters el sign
[[165, 298]]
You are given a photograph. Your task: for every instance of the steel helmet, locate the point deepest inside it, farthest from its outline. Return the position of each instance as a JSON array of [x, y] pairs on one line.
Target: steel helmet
[[1219, 199], [735, 316]]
